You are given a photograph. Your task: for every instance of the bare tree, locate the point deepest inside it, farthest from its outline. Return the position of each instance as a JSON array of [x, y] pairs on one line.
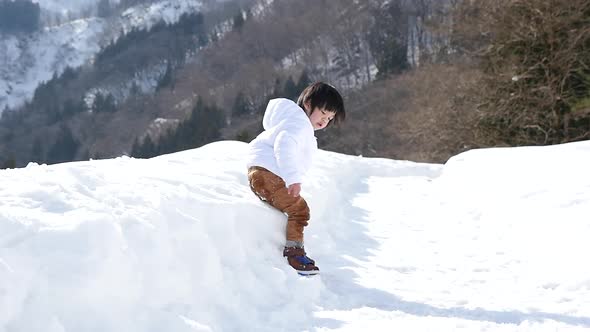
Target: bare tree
[[535, 56]]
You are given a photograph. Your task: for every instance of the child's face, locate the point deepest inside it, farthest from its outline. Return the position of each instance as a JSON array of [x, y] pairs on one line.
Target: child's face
[[320, 118]]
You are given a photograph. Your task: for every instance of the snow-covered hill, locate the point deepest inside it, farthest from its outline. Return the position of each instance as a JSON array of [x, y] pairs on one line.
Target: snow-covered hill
[[26, 62], [494, 240]]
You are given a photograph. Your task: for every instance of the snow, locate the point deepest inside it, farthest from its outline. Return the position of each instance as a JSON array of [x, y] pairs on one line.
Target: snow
[[69, 6], [169, 11], [493, 240]]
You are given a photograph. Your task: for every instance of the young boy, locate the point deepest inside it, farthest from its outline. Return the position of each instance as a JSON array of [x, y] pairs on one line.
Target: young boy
[[281, 155]]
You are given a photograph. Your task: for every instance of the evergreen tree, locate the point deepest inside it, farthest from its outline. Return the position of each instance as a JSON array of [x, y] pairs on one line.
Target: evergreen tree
[[207, 121], [45, 92], [10, 163], [290, 90], [68, 74], [304, 81], [277, 90], [64, 148], [241, 105], [135, 89], [104, 103], [203, 126], [85, 155], [388, 38], [52, 112], [238, 21], [37, 152], [145, 149], [190, 24], [167, 143], [167, 79], [71, 107]]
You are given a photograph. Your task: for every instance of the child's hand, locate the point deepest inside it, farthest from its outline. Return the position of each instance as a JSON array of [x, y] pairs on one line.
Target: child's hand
[[294, 189]]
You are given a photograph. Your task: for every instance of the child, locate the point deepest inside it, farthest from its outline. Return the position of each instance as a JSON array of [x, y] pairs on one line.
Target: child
[[280, 156]]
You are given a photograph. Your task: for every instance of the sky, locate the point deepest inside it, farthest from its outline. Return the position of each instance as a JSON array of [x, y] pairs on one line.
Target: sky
[[493, 240]]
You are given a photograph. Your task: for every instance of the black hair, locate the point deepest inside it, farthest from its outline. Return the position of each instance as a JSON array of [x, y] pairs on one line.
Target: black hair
[[323, 95]]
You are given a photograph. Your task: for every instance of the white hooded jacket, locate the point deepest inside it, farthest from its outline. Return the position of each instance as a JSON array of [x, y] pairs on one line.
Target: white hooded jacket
[[287, 144]]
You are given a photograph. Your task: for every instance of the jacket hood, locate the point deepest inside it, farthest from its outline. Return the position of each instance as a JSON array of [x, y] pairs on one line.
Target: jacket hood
[[280, 109]]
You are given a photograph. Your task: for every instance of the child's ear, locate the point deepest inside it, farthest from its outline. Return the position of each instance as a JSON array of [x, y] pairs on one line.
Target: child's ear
[[307, 106]]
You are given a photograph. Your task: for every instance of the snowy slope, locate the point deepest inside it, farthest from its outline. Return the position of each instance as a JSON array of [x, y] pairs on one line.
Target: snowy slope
[[494, 240], [68, 6], [27, 62]]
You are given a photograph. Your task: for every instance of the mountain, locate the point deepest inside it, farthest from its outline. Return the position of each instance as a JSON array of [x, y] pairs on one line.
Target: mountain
[[145, 78], [39, 56], [149, 73], [493, 240]]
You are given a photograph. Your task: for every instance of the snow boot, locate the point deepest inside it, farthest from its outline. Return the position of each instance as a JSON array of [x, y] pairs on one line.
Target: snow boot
[[298, 260]]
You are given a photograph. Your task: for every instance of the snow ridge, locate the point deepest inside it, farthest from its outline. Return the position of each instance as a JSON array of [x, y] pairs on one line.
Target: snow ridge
[[494, 240]]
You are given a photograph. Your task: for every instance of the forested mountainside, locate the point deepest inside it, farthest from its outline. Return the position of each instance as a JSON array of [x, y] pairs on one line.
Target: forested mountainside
[[422, 80]]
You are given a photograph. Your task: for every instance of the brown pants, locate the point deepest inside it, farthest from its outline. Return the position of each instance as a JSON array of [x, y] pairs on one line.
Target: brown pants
[[271, 189]]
